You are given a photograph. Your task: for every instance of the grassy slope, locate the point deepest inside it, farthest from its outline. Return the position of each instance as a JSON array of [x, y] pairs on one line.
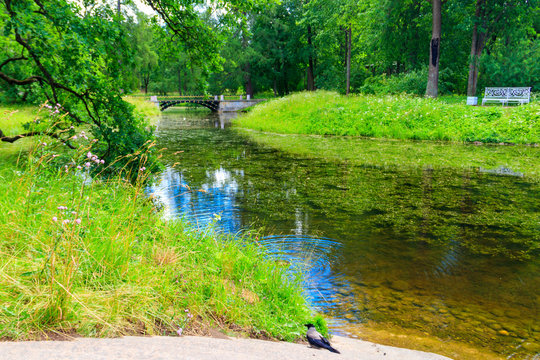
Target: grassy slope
[[13, 116], [398, 117], [143, 106], [124, 269]]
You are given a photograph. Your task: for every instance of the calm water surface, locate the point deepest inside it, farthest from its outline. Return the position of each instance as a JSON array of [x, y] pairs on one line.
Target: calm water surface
[[453, 253]]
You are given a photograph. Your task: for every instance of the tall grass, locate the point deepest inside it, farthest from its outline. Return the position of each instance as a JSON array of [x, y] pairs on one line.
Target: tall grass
[[95, 257], [398, 117]]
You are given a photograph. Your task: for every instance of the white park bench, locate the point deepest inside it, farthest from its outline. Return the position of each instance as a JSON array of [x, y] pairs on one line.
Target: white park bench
[[505, 95]]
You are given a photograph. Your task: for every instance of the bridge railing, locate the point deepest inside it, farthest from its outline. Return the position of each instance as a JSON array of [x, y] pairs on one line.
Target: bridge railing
[[198, 97]]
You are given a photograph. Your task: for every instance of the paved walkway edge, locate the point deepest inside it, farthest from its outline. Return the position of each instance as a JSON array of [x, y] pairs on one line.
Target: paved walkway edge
[[201, 348]]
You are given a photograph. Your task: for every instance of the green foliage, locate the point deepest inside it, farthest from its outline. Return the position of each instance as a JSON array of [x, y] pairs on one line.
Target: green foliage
[[75, 58], [146, 51], [389, 44], [81, 58], [97, 258], [399, 34], [413, 83], [512, 61], [400, 117], [230, 78], [274, 53]]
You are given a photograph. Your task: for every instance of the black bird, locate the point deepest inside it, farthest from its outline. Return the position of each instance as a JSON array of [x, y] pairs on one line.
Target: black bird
[[315, 339]]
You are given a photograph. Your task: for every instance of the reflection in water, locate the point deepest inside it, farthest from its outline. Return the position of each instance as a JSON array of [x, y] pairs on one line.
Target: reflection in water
[[452, 253], [313, 257], [200, 207]]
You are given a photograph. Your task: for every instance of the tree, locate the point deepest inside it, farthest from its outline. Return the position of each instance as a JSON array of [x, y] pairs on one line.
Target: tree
[[144, 42], [276, 52], [337, 23], [396, 34], [64, 53], [80, 57], [432, 88], [514, 58], [348, 36], [491, 19], [306, 21], [230, 76]]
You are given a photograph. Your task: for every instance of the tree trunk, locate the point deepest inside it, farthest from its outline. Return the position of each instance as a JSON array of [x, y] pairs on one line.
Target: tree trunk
[[310, 70], [248, 85], [146, 81], [285, 78], [247, 79], [477, 45], [179, 77], [343, 46], [349, 45], [432, 88]]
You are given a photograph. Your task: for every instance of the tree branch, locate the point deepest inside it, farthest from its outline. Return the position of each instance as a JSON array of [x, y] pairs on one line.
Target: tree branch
[[13, 81], [12, 139], [49, 79], [12, 59]]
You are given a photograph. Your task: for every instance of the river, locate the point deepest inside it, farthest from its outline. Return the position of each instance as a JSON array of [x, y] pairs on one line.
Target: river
[[448, 253]]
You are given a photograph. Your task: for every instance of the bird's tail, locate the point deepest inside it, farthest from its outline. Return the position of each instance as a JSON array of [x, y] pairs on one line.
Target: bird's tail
[[333, 350]]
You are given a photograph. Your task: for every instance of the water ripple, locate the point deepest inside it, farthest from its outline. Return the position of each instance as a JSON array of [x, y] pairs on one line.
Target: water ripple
[[314, 257]]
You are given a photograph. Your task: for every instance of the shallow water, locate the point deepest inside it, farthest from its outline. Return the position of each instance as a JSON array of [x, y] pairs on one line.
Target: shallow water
[[452, 252]]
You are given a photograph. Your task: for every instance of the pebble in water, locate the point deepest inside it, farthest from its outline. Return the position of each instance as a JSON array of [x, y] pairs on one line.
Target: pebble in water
[[399, 285], [531, 347]]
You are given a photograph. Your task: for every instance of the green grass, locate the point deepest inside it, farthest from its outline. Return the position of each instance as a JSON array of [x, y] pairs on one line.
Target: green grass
[[13, 116], [144, 106], [396, 117], [125, 269]]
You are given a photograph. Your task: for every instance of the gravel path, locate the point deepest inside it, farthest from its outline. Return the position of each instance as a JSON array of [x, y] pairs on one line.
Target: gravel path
[[200, 348]]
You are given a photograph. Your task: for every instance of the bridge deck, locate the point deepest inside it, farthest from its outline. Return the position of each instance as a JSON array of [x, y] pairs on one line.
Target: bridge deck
[[215, 105]]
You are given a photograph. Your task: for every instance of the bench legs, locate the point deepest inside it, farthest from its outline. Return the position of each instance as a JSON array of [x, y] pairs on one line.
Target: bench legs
[[504, 102]]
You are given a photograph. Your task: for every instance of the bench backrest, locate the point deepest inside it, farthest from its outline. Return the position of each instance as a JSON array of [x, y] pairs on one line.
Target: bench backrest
[[508, 93]]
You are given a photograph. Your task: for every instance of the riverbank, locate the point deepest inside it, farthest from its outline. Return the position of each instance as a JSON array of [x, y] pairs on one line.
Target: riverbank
[[394, 117], [97, 258]]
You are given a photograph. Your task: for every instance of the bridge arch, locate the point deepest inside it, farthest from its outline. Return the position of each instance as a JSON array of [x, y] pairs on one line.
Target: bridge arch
[[209, 104]]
